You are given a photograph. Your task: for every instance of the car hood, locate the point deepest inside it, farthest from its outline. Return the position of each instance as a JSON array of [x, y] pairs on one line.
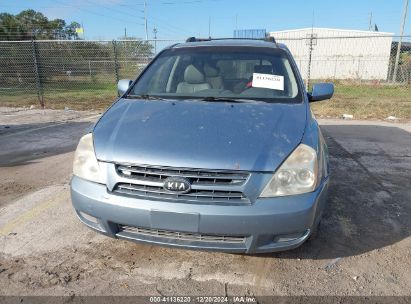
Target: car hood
[[195, 134]]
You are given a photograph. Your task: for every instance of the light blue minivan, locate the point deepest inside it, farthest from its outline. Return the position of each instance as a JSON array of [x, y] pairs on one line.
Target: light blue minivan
[[212, 147]]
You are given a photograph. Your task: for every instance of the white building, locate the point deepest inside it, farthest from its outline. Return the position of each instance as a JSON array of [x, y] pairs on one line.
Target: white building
[[339, 54]]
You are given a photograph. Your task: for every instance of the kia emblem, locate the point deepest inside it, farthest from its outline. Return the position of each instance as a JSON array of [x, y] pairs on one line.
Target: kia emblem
[[177, 184]]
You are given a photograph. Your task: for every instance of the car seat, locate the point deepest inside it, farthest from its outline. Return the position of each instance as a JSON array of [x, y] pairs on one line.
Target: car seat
[[194, 81], [213, 77]]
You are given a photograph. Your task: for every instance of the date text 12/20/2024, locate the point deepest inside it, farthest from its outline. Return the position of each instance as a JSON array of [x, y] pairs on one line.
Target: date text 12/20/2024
[[203, 299]]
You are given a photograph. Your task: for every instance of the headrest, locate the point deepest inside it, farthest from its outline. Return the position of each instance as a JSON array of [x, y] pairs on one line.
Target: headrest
[[263, 69], [193, 75], [210, 71]]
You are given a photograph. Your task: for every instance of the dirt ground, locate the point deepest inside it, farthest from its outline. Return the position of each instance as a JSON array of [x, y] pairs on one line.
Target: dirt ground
[[363, 246]]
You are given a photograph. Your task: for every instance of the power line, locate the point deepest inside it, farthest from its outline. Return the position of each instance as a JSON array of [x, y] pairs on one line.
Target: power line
[[187, 2], [91, 12], [111, 9], [167, 27], [179, 29]]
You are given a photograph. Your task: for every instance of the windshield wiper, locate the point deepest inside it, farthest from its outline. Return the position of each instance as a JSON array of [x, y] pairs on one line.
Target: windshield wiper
[[208, 98], [145, 96], [224, 99]]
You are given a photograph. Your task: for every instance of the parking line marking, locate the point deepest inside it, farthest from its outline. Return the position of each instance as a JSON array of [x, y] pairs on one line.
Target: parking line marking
[[32, 213]]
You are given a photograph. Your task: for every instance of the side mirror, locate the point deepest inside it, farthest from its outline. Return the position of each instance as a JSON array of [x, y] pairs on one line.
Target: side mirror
[[123, 85], [321, 91]]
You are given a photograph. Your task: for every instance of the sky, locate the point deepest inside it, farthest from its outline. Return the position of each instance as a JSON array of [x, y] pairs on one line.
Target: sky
[[179, 19]]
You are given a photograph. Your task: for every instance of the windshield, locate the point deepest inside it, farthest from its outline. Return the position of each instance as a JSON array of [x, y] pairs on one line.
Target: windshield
[[219, 73]]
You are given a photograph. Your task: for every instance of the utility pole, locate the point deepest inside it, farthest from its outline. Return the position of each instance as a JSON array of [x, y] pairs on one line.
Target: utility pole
[[37, 74], [145, 18], [310, 52], [209, 26], [397, 57], [155, 39], [125, 33], [236, 22], [84, 32], [370, 24]]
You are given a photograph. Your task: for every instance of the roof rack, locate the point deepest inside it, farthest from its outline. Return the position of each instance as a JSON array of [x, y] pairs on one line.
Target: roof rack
[[194, 39]]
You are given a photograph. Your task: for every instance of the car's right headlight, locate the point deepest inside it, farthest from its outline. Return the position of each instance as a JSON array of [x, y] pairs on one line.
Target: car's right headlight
[[297, 175], [85, 163]]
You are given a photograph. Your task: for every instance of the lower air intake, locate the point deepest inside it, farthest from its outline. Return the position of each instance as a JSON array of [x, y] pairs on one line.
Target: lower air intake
[[182, 236]]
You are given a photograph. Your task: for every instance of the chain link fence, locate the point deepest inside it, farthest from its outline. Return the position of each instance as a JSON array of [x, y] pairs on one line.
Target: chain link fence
[[80, 74], [83, 74], [360, 59]]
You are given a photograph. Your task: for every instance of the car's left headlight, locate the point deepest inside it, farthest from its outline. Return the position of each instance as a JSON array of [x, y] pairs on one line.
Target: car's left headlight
[[298, 174], [85, 163]]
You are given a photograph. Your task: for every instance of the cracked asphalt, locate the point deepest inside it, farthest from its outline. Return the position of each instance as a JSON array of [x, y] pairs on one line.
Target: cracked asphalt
[[363, 246]]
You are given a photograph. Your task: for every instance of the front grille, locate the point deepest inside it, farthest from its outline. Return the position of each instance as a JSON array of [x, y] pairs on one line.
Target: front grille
[[206, 186], [181, 236], [194, 194], [196, 177]]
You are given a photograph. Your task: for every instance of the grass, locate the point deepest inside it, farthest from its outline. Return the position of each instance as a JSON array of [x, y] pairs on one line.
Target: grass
[[76, 96], [366, 101]]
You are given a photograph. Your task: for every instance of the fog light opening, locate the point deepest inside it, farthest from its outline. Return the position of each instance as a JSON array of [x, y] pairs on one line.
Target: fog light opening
[[288, 237], [89, 218]]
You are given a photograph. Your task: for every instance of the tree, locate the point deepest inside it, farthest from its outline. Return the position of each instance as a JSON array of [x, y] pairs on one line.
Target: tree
[[10, 28], [71, 30], [30, 24], [135, 48], [59, 28]]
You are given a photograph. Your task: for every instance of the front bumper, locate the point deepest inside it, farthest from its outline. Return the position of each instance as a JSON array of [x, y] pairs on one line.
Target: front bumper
[[268, 225]]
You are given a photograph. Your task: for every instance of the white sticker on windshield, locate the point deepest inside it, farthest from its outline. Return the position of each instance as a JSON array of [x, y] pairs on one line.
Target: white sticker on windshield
[[268, 81]]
